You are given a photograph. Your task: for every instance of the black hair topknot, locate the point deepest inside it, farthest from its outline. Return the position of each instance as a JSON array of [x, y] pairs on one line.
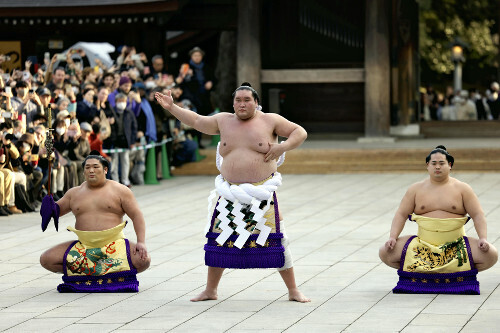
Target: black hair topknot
[[248, 86], [441, 149], [94, 154]]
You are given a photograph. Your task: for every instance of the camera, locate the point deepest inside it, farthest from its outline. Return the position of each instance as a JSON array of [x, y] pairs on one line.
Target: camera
[[9, 136], [7, 114], [61, 56]]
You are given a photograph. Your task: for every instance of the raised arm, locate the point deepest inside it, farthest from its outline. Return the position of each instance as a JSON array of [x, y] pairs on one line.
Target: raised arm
[[406, 207], [204, 124], [294, 133], [131, 208], [475, 211]]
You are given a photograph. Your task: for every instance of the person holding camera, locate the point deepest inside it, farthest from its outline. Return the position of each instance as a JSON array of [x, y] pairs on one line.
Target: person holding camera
[[86, 109], [26, 102], [6, 178], [10, 153], [133, 98]]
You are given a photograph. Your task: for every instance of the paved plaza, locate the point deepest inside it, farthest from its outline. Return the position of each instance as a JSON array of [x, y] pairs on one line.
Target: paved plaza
[[336, 224]]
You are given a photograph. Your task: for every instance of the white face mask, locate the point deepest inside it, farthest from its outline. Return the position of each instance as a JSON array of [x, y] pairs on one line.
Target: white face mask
[[67, 121], [121, 106], [60, 130], [150, 84], [26, 146], [18, 134]]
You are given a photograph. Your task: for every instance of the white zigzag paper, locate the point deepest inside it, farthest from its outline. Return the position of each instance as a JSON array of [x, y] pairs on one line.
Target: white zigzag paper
[[238, 220], [261, 221], [224, 222]]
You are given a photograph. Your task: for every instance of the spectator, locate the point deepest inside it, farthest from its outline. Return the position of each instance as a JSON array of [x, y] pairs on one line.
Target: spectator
[[158, 67], [494, 100], [78, 147], [103, 109], [198, 80], [26, 102], [465, 108], [85, 109], [96, 142], [125, 136], [11, 153], [27, 163], [58, 77], [133, 98]]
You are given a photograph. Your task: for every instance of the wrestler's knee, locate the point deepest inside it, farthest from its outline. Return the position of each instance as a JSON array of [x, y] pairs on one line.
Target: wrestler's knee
[[45, 260], [141, 265]]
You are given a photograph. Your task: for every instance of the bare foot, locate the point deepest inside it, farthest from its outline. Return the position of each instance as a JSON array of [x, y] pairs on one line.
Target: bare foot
[[296, 295], [205, 296]]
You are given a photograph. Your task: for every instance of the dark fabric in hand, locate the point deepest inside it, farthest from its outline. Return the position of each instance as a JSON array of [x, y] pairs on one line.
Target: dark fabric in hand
[[48, 210]]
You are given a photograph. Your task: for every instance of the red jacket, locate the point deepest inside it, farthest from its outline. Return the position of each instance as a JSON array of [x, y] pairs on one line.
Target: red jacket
[[96, 143]]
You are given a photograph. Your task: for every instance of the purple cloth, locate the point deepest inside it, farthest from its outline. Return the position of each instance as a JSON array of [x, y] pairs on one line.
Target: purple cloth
[[48, 210]]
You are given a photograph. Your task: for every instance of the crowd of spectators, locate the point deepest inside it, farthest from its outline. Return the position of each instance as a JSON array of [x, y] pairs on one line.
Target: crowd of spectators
[[460, 105], [92, 108]]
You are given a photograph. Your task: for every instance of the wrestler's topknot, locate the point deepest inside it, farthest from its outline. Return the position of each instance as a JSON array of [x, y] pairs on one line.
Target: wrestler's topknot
[[248, 86], [441, 149], [96, 155]]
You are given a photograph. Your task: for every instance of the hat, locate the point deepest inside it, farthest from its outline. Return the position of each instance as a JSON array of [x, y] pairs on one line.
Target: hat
[[140, 85], [44, 91], [28, 138], [196, 49], [63, 114], [86, 127], [124, 79]]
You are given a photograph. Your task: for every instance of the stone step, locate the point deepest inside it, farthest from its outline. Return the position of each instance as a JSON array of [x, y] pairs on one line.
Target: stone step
[[325, 161]]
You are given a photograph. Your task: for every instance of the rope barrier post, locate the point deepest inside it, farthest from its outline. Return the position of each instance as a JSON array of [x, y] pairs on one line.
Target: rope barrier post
[[199, 157], [150, 174], [215, 140], [165, 166]]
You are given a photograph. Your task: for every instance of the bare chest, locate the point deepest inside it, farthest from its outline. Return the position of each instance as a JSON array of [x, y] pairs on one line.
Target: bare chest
[[99, 202], [446, 199], [255, 135]]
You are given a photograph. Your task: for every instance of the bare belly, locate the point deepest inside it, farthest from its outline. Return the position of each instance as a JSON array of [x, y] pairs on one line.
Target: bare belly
[[246, 166], [440, 214], [97, 221]]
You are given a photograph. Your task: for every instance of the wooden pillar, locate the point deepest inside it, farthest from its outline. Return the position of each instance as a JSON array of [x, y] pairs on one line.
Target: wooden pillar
[[377, 69], [248, 43]]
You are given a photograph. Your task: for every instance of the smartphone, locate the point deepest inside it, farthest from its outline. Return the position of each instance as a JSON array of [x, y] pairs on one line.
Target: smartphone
[[8, 90], [7, 115], [26, 76], [61, 56], [46, 55], [135, 57], [184, 69]]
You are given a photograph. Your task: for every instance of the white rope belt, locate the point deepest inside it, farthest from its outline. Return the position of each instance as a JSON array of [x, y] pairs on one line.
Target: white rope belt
[[243, 194]]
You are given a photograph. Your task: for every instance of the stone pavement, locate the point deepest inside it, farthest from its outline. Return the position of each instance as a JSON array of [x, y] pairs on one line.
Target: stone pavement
[[336, 224]]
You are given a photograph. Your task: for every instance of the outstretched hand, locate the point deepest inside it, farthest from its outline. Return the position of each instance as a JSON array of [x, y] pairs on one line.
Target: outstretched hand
[[483, 245], [389, 245], [274, 152], [141, 248], [166, 101]]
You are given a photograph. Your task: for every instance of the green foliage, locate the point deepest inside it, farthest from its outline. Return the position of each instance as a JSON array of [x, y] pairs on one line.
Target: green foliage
[[441, 21]]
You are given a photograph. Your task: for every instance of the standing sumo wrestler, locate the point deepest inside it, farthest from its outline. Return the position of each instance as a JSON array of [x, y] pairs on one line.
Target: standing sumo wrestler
[[245, 229]]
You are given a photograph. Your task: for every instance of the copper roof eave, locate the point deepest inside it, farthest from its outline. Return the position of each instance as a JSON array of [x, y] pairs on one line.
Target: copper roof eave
[[142, 8]]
